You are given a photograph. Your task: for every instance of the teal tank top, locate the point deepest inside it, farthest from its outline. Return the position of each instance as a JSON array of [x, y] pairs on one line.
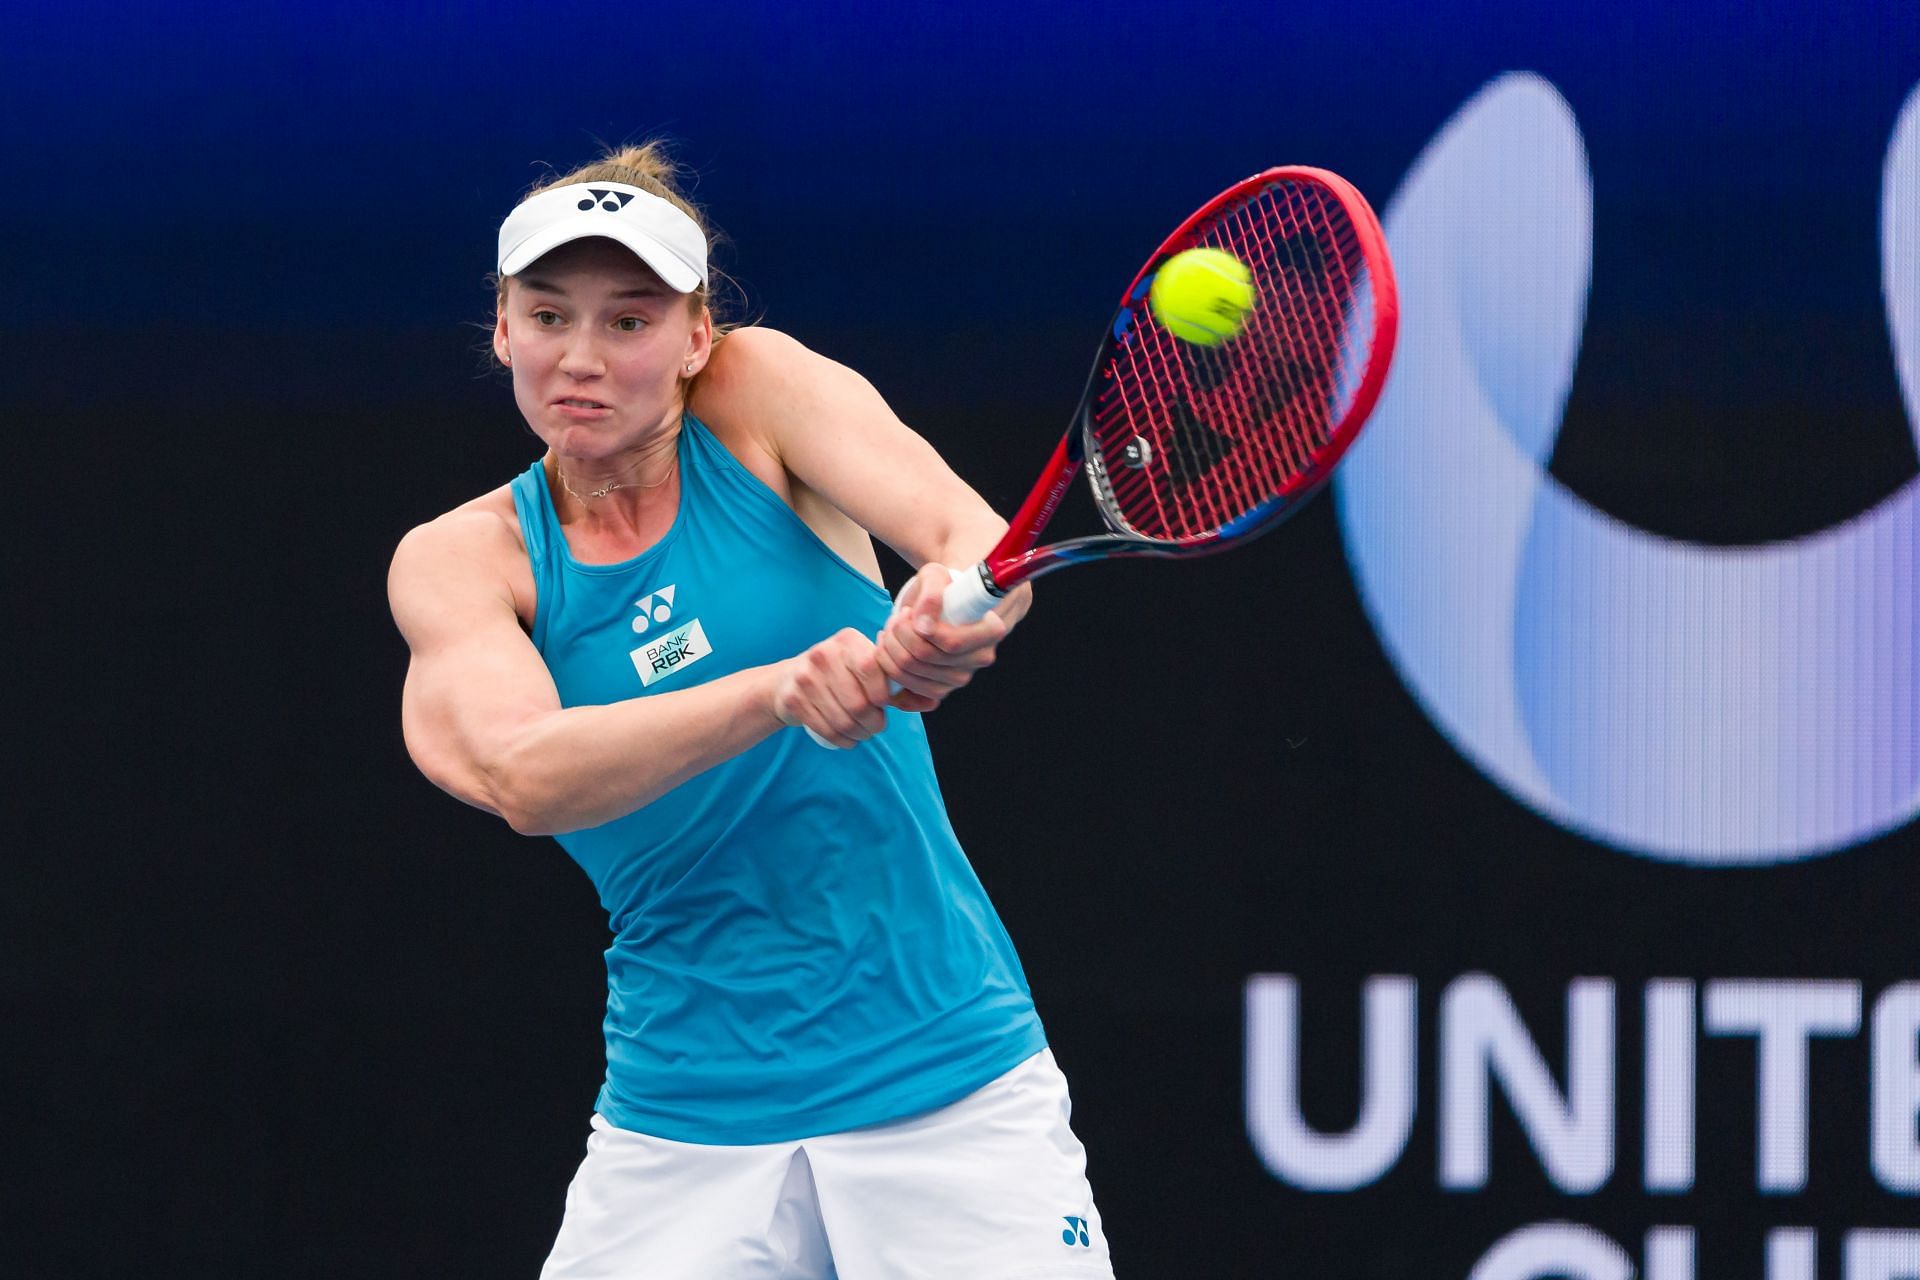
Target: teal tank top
[[799, 943]]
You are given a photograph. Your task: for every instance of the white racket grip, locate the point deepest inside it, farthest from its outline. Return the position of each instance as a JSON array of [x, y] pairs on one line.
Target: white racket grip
[[965, 600]]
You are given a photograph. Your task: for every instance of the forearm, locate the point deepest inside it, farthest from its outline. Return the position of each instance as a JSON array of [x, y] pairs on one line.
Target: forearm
[[966, 541], [582, 766]]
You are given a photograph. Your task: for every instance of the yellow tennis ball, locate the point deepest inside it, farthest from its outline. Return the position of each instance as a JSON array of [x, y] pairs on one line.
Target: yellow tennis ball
[[1202, 295]]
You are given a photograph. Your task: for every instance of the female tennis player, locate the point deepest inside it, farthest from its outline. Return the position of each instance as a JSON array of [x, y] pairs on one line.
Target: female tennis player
[[822, 1056]]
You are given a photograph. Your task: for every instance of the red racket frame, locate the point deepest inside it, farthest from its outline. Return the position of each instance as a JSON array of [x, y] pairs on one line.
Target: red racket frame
[[1015, 558]]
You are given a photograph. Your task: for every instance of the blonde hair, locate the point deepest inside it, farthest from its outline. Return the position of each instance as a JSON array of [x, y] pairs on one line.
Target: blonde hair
[[651, 168]]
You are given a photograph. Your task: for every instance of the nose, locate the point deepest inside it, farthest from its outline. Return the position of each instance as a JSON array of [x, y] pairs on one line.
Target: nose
[[581, 357]]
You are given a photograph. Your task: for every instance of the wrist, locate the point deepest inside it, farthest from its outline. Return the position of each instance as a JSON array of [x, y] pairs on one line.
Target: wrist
[[770, 680]]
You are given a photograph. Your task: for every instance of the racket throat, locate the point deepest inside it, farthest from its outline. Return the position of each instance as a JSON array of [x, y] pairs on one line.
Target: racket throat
[[1023, 531]]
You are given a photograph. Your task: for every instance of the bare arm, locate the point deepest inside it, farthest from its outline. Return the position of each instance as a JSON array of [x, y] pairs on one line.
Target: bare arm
[[834, 433], [483, 720]]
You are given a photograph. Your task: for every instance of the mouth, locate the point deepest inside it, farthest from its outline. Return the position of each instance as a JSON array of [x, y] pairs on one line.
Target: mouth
[[581, 407], [577, 402]]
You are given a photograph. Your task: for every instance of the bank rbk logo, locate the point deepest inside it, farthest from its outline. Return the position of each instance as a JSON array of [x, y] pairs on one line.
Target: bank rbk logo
[[661, 655], [668, 655]]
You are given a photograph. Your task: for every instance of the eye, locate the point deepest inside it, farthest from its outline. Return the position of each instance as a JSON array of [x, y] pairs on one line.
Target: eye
[[546, 319], [630, 324]]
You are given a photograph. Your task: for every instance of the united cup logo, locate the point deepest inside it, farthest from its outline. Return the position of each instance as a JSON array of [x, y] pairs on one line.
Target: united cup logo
[[1711, 705]]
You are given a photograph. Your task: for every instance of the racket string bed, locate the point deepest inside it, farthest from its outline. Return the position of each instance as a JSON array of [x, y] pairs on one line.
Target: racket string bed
[[1166, 423], [1190, 449], [1270, 335], [1195, 438], [1298, 337]]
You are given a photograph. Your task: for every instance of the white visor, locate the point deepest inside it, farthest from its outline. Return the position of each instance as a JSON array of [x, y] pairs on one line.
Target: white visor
[[663, 237]]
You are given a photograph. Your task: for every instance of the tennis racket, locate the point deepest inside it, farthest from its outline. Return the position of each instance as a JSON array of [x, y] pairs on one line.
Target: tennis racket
[[1191, 450]]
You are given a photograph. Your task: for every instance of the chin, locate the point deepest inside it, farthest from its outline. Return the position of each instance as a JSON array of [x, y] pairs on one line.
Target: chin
[[584, 442]]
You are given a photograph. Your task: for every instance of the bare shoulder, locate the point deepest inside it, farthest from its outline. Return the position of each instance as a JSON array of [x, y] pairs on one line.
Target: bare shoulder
[[739, 395], [473, 552], [779, 378], [747, 355], [752, 374], [759, 391]]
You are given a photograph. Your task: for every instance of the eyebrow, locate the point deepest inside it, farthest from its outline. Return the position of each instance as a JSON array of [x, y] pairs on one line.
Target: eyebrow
[[538, 285]]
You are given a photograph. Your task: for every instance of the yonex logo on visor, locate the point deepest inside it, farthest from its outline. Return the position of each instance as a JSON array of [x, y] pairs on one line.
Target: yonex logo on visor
[[658, 232]]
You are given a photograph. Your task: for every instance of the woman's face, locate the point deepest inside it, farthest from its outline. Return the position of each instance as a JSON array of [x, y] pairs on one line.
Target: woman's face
[[599, 347]]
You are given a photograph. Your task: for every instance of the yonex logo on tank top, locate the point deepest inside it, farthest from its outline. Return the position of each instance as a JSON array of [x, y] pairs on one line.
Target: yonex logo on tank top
[[654, 607], [1076, 1233], [611, 201]]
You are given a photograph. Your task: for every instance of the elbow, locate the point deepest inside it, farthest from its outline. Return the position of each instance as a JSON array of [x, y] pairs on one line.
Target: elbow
[[491, 790], [512, 791], [527, 821], [529, 818], [523, 807], [506, 775], [534, 804]]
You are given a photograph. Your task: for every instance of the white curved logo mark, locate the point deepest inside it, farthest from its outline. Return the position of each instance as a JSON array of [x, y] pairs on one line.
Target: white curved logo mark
[[1711, 705]]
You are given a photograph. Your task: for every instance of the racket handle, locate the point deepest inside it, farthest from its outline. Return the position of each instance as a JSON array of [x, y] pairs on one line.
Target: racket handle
[[966, 600]]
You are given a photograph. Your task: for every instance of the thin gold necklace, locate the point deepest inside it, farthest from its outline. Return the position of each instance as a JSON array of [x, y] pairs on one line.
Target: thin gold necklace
[[672, 469]]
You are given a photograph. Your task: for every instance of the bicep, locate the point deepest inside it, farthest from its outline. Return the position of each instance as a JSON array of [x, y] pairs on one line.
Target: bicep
[[474, 680], [835, 433]]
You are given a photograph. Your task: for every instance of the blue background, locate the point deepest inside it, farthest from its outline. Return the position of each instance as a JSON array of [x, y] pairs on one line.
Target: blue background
[[277, 1007]]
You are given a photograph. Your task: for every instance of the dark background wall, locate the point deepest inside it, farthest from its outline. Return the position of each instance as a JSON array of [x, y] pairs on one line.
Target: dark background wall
[[274, 1005]]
